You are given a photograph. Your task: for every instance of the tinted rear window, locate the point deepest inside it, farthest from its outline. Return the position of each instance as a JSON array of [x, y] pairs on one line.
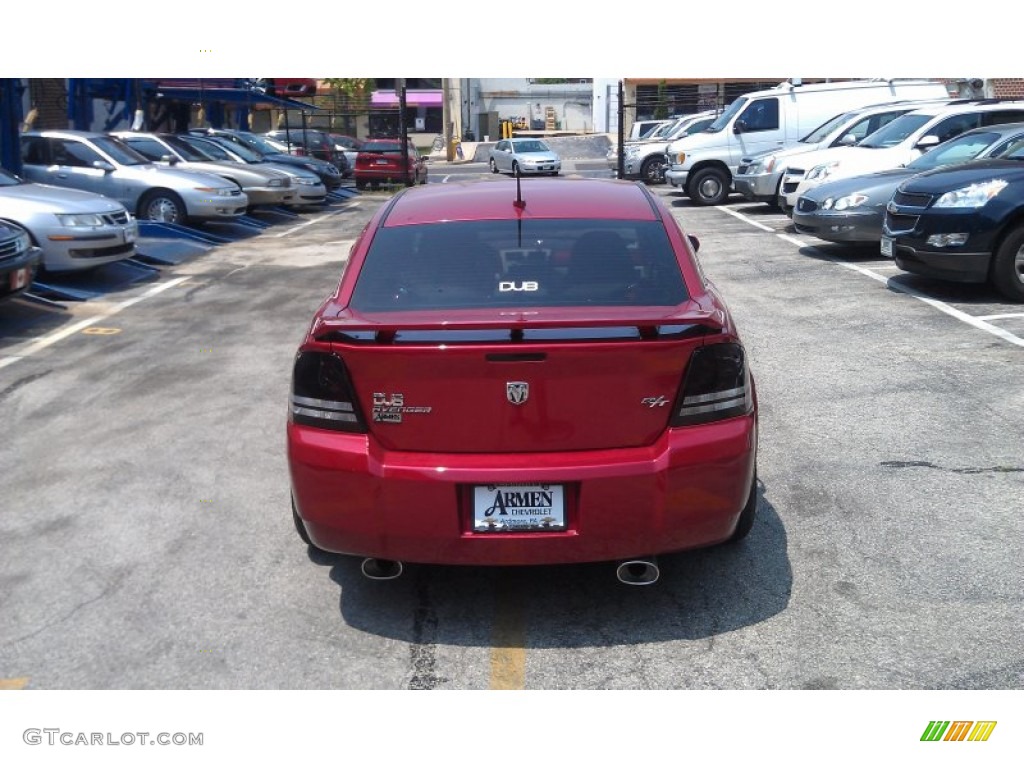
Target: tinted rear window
[[538, 263], [381, 146]]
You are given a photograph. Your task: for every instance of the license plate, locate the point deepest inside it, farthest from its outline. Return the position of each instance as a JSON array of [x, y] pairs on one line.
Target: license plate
[[19, 278], [381, 162], [515, 507], [887, 247]]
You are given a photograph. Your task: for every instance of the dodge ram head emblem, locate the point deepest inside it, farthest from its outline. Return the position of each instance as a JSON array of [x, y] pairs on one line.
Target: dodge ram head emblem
[[518, 392]]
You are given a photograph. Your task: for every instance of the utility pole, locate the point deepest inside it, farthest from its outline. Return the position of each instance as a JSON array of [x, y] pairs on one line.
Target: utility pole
[[446, 116], [403, 129], [621, 137]]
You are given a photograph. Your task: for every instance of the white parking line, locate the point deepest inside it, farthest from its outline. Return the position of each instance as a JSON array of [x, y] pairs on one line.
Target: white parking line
[[976, 322], [63, 333], [942, 306], [305, 224], [1005, 316], [748, 220]]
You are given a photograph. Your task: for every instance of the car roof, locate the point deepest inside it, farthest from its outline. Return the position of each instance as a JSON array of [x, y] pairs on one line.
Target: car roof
[[555, 198], [66, 133], [984, 105]]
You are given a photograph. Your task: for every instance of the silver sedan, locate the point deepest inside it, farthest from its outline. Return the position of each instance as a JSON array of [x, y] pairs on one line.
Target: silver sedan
[[522, 156], [75, 230], [263, 186], [95, 162]]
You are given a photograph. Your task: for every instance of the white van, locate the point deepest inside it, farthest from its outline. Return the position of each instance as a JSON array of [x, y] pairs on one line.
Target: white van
[[703, 164]]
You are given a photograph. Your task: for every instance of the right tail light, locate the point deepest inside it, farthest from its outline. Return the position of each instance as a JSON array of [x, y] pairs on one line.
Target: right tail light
[[716, 386]]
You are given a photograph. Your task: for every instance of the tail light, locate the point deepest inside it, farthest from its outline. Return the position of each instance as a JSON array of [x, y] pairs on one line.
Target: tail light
[[717, 386], [322, 393]]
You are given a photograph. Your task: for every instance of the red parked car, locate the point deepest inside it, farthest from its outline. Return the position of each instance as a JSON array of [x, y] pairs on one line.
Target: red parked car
[[504, 380], [380, 161]]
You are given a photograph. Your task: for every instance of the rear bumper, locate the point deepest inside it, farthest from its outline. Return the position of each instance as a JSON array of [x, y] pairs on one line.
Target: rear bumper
[[17, 273], [683, 492]]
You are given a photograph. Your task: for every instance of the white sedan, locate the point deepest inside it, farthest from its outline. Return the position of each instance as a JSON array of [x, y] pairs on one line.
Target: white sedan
[[522, 156]]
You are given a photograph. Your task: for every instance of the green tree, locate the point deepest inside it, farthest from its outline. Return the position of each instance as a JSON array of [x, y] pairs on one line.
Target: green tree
[[661, 110]]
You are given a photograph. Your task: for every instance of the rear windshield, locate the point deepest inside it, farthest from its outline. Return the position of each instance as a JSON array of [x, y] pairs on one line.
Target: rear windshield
[[381, 146], [533, 263]]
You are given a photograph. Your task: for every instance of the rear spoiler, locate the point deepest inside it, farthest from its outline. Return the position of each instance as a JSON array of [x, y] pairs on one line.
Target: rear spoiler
[[519, 329]]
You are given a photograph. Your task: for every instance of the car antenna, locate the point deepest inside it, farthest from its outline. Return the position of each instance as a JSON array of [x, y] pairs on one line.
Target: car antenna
[[519, 203]]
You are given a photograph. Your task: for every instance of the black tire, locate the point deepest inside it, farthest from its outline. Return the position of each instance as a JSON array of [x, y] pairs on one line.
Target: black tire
[[494, 166], [709, 186], [653, 170], [554, 173], [1007, 271], [301, 530], [746, 521], [162, 205], [360, 183]]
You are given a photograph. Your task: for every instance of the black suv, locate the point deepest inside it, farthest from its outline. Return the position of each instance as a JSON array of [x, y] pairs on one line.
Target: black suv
[[963, 223]]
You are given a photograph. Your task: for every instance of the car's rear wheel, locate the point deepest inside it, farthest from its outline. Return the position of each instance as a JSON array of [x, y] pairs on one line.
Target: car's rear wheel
[[709, 186], [162, 205], [653, 170], [1007, 273], [360, 184], [494, 166], [746, 521]]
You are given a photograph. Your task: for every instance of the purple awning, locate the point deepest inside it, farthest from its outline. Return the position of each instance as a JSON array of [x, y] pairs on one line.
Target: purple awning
[[412, 99]]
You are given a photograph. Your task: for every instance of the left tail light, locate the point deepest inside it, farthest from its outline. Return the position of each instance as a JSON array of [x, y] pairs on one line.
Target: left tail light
[[716, 386], [322, 394]]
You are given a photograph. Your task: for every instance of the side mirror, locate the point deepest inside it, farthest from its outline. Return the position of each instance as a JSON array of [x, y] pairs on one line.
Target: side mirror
[[848, 140], [927, 142], [169, 159], [694, 242], [102, 165], [739, 126]]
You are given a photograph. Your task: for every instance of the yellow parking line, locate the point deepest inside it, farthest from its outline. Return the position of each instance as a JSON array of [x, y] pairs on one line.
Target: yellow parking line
[[508, 651], [14, 683]]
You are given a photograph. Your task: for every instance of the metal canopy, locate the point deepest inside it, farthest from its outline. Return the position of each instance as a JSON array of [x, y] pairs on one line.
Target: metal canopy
[[239, 96]]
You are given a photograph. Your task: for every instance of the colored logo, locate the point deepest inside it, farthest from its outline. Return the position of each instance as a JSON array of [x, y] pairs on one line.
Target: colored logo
[[958, 730]]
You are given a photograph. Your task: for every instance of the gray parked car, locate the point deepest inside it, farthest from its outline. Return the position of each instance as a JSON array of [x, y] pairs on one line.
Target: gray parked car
[[76, 230], [96, 162], [524, 156], [263, 186], [309, 189]]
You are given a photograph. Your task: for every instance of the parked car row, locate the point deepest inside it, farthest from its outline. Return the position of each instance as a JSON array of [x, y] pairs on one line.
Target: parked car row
[[940, 189], [80, 195], [702, 165]]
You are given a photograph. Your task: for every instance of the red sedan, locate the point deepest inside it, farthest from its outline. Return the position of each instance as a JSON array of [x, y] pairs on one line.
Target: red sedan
[[515, 377], [380, 161]]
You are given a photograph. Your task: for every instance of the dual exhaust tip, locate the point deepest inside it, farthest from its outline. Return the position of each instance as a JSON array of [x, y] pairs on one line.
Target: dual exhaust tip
[[638, 572]]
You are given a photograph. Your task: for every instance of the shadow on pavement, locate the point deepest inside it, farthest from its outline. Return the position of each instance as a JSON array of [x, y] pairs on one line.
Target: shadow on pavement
[[700, 594]]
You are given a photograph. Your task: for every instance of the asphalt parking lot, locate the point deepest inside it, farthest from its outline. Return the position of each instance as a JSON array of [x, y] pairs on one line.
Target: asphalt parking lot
[[148, 539]]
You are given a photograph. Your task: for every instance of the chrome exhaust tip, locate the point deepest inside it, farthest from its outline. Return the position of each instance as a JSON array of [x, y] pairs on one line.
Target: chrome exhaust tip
[[639, 572], [381, 570]]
